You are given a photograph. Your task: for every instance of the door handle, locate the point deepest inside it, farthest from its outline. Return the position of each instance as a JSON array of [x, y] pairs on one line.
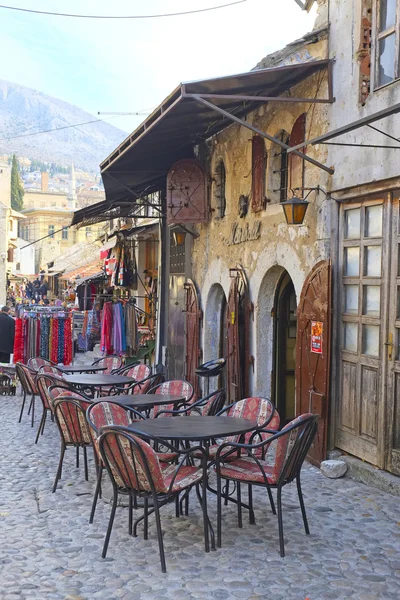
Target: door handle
[[390, 346]]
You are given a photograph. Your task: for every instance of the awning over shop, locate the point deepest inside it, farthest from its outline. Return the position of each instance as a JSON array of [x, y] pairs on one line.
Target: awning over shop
[[86, 270], [104, 211], [99, 276], [188, 116]]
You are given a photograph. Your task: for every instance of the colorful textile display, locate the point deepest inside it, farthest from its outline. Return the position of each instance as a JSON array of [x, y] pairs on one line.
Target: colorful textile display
[[119, 330], [44, 334]]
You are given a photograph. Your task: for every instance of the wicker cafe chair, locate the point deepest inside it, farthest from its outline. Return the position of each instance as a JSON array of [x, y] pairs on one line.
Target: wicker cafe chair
[[111, 363], [134, 468], [70, 416], [100, 414], [29, 388], [36, 362], [44, 383], [177, 387], [208, 406], [291, 446]]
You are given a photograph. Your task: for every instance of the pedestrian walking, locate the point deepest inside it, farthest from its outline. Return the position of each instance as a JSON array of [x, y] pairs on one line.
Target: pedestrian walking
[[7, 333]]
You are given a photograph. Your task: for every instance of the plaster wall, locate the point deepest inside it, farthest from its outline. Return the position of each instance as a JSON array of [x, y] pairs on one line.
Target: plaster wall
[[353, 165], [280, 247]]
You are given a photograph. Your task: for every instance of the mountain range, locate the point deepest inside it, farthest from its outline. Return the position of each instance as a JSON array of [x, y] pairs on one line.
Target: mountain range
[[24, 110]]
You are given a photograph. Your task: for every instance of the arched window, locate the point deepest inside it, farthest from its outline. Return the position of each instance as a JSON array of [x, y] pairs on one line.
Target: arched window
[[219, 187], [296, 163]]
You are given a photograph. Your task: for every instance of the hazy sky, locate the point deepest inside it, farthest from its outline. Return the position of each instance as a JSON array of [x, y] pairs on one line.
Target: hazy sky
[[132, 65]]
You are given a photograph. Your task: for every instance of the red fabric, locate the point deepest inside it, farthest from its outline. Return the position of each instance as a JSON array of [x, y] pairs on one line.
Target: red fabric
[[106, 328], [54, 341], [18, 353]]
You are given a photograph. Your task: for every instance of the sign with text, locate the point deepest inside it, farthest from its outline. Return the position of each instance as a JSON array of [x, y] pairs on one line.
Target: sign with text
[[317, 329]]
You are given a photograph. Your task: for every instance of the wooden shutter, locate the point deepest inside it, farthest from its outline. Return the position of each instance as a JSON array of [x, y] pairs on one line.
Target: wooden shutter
[[237, 331], [187, 193], [312, 369], [296, 163], [258, 162], [194, 317]]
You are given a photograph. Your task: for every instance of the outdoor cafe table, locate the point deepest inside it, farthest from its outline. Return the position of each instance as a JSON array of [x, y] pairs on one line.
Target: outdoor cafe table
[[194, 429], [80, 369], [96, 381], [143, 401]]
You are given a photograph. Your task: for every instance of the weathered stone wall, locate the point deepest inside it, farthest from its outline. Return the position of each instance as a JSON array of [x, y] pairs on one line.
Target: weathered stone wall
[[280, 247]]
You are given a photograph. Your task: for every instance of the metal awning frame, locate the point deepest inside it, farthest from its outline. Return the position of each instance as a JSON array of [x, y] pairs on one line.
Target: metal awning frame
[[353, 126], [180, 94]]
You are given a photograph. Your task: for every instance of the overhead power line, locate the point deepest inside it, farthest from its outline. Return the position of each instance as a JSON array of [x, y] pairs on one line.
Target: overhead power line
[[76, 16], [13, 137]]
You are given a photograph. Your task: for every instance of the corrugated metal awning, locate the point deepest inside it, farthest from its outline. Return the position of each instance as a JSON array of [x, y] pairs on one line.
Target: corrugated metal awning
[[140, 164]]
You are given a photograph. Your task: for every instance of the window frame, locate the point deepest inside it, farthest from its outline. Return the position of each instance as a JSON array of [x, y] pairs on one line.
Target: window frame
[[377, 36], [64, 234], [220, 188], [51, 231]]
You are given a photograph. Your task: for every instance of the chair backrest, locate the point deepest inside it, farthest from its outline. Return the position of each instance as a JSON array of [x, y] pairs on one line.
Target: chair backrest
[[44, 382], [292, 445], [131, 462], [36, 362], [143, 386], [111, 363], [138, 372], [51, 370], [27, 378], [58, 389], [176, 387], [260, 409], [214, 403], [70, 416]]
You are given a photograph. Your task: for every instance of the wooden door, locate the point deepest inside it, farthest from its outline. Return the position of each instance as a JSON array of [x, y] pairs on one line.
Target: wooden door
[[313, 353], [194, 318], [364, 275], [237, 337]]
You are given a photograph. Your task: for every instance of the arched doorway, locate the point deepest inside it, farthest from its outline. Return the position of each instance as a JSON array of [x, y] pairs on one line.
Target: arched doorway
[[284, 363], [214, 330]]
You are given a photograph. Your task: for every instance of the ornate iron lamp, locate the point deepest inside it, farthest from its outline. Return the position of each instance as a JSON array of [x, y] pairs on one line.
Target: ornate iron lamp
[[179, 237], [295, 209]]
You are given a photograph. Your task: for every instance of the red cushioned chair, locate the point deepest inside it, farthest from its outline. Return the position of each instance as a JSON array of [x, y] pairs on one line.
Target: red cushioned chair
[[27, 377], [70, 416], [176, 387], [134, 468], [111, 363], [288, 449], [36, 362]]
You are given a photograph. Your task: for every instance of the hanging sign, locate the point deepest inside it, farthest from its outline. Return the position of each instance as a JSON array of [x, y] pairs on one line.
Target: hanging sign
[[316, 336]]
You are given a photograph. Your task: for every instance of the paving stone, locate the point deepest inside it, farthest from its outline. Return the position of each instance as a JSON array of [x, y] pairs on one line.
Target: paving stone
[[49, 551]]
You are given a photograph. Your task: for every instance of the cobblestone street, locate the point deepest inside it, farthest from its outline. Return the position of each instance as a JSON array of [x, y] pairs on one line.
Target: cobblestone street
[[49, 551]]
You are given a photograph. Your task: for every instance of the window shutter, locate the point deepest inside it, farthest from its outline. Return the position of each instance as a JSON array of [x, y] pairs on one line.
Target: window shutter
[[296, 163], [187, 193], [258, 173]]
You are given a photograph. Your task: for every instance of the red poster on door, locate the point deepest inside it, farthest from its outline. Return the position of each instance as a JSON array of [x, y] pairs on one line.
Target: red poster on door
[[316, 336]]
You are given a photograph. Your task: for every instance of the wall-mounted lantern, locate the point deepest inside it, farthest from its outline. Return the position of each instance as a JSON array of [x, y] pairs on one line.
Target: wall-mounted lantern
[[295, 209], [179, 237]]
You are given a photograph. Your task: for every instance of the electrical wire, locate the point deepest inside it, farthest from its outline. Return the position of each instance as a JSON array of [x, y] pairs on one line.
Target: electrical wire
[[76, 16], [14, 137]]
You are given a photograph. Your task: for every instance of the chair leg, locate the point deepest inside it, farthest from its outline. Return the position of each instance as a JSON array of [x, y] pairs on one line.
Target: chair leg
[[177, 507], [130, 516], [271, 501], [239, 504], [85, 463], [96, 492], [303, 508], [44, 420], [146, 518], [22, 407], [33, 409], [77, 457], [159, 534], [59, 470], [226, 491], [111, 522], [41, 425], [280, 522], [219, 511], [252, 519]]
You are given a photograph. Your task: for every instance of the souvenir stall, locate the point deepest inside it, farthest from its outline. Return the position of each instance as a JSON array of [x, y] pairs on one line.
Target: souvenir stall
[[45, 332]]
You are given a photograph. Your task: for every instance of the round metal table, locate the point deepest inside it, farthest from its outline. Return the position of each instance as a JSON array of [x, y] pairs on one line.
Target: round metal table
[[143, 401], [200, 429], [96, 381], [80, 369]]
